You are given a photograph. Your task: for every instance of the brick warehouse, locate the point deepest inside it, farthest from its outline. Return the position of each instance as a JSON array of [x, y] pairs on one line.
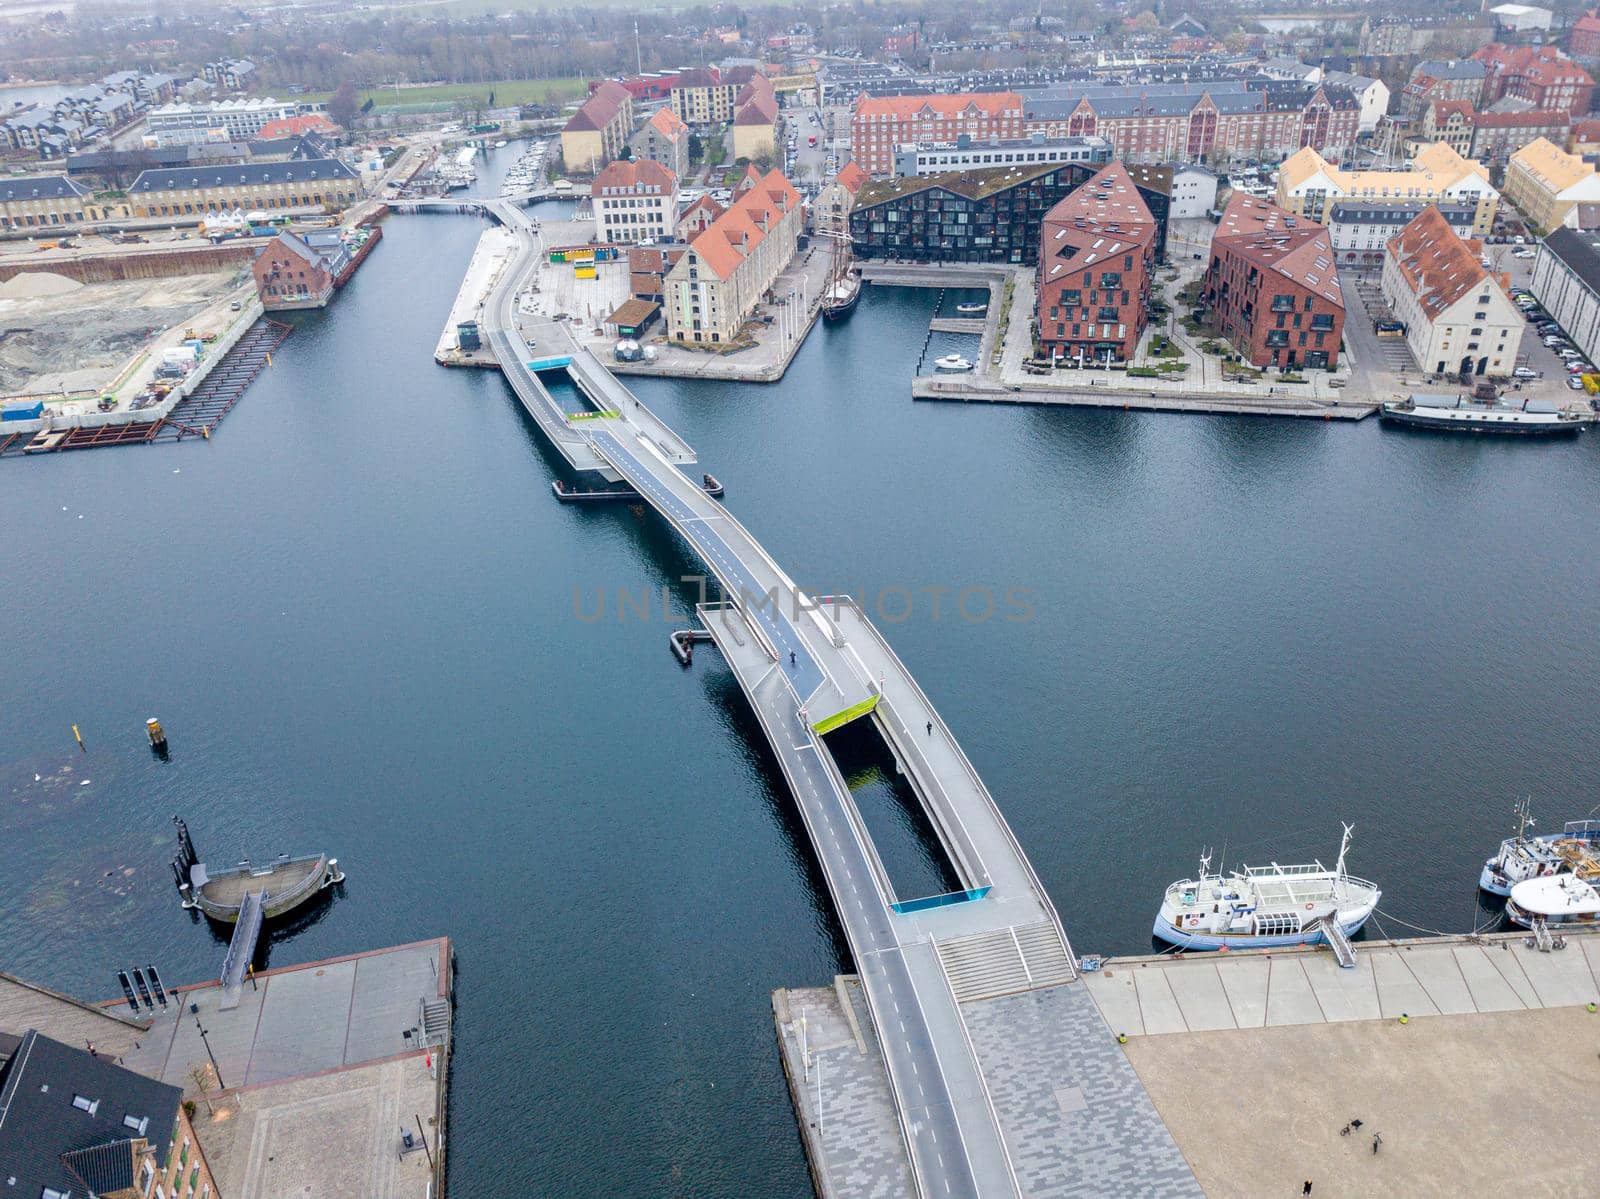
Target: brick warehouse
[[1096, 256], [1273, 288]]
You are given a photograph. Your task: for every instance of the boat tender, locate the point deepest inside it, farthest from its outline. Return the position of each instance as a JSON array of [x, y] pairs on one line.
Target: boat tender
[[1266, 906], [1574, 850]]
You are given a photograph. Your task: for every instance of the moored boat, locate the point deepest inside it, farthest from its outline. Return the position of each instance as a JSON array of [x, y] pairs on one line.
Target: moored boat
[[1574, 850], [841, 298], [1461, 414], [972, 308], [952, 364], [1266, 906], [1559, 900]]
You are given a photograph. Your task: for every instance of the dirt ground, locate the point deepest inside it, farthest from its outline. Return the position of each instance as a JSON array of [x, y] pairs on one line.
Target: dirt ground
[[1466, 1105], [78, 339]]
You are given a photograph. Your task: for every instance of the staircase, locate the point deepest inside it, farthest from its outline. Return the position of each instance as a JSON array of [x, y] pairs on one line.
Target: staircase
[[1005, 961], [1343, 952], [434, 1021]]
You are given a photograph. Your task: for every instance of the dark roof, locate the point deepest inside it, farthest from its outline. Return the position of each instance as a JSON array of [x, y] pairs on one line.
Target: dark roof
[[39, 1123], [103, 1168], [1579, 253], [1396, 212], [971, 185], [41, 187], [242, 174]]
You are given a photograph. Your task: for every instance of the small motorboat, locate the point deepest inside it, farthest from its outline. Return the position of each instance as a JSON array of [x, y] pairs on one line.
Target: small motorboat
[[952, 364], [972, 308]]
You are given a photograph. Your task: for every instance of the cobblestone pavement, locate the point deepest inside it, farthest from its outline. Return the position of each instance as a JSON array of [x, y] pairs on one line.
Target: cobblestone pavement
[[1077, 1120]]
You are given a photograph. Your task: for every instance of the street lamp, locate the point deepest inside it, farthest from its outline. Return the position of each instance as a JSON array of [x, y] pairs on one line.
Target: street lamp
[[194, 1010]]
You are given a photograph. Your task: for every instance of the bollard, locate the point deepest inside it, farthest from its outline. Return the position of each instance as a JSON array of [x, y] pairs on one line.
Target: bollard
[[158, 738], [1405, 1018], [1591, 1007], [1122, 1038]]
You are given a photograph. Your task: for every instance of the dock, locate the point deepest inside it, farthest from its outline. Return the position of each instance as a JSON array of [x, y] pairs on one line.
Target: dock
[[980, 388], [497, 246], [336, 1056]]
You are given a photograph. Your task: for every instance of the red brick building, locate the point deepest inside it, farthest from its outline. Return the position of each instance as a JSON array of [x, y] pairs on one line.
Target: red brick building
[[289, 274], [1096, 254], [1584, 42], [1541, 75], [880, 123], [1272, 286]]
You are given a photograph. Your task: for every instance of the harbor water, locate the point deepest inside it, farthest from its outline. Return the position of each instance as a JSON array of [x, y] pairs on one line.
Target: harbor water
[[367, 627]]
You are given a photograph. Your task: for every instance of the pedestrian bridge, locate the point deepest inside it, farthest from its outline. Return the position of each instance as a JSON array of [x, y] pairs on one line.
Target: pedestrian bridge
[[809, 665]]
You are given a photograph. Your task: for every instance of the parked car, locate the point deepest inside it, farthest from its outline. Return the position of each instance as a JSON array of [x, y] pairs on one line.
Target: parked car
[[1523, 372], [1575, 383], [1524, 253]]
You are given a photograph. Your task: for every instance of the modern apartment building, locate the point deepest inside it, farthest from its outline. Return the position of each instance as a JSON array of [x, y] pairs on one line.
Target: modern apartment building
[[1273, 287], [222, 121], [1361, 230], [714, 288], [1096, 259]]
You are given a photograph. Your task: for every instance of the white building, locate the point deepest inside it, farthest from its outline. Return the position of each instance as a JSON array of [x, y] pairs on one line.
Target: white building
[[1566, 280], [1194, 192], [635, 201], [1458, 318], [1519, 18], [224, 121], [1361, 230], [1372, 94]]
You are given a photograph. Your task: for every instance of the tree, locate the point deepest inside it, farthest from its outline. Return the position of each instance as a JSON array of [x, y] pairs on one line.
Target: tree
[[342, 105], [697, 148]]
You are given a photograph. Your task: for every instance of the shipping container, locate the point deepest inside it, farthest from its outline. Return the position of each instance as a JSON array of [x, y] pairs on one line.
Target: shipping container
[[22, 410], [584, 272]]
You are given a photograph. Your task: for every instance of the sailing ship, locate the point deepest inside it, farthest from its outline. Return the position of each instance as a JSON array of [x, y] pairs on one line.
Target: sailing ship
[[842, 291], [1266, 906], [1574, 850]]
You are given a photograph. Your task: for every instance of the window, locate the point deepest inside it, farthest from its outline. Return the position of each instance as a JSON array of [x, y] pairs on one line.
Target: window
[[84, 1104]]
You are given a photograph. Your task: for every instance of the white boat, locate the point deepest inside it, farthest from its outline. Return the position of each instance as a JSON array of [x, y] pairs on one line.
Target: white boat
[[1574, 850], [1265, 906], [1556, 900], [952, 364], [1461, 414], [500, 145], [972, 308]]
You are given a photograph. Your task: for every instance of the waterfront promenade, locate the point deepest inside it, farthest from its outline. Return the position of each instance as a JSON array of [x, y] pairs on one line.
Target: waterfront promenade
[[808, 666]]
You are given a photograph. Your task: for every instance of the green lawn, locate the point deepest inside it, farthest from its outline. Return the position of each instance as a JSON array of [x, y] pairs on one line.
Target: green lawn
[[506, 92]]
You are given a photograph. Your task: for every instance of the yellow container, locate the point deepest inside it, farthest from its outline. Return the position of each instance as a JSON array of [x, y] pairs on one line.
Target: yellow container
[[583, 272]]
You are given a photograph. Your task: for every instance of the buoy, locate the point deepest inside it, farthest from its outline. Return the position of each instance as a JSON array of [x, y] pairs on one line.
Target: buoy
[[79, 737], [158, 738]]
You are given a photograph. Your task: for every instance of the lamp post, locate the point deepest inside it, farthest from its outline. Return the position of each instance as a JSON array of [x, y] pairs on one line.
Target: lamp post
[[194, 1010]]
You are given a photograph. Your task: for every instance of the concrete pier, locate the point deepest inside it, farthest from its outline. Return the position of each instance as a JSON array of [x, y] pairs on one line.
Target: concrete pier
[[496, 248]]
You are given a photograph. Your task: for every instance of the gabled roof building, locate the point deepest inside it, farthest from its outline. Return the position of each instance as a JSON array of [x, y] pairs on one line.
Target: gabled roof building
[[1273, 288]]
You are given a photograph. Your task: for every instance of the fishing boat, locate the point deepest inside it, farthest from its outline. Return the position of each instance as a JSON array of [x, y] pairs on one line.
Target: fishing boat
[[842, 291], [1558, 900], [1462, 414], [972, 308], [952, 364], [1266, 906], [1574, 850], [285, 882]]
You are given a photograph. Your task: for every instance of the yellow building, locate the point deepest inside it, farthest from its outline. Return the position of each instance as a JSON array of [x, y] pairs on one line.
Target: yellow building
[[312, 184], [1553, 188], [755, 122], [53, 202], [704, 96], [1309, 184], [598, 130]]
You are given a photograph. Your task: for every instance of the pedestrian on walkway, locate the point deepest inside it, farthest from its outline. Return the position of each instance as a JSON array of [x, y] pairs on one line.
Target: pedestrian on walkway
[[1306, 1190], [930, 728], [1377, 1139]]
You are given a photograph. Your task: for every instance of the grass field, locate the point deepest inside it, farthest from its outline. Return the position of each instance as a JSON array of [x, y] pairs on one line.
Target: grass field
[[506, 92]]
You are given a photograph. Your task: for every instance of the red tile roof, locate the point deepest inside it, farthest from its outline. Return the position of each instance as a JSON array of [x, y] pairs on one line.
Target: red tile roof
[[667, 123], [292, 126], [734, 234], [992, 104], [1296, 248], [757, 103], [600, 109], [852, 177], [1103, 217], [640, 173], [1435, 263]]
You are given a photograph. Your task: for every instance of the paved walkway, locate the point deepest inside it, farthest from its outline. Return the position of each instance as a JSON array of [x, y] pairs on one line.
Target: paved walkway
[[1426, 977]]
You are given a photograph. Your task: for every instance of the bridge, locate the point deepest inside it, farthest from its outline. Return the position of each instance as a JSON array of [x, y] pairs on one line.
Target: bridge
[[809, 665], [476, 204]]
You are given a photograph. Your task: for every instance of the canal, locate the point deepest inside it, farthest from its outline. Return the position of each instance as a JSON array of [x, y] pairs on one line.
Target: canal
[[367, 626]]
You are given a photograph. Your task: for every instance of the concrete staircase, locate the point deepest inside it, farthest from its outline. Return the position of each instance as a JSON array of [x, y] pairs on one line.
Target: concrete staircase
[[434, 1020], [1005, 961]]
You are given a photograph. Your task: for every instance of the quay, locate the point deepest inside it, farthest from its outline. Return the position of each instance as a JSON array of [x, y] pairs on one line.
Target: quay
[[927, 963], [308, 1084], [979, 388]]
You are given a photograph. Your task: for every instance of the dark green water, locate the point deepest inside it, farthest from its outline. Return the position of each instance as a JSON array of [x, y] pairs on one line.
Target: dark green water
[[354, 612]]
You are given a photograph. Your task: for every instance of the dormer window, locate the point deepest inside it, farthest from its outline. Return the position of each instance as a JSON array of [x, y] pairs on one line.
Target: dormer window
[[84, 1104]]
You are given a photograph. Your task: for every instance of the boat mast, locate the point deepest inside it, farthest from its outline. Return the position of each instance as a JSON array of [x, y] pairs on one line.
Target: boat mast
[[1524, 820], [1344, 844]]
